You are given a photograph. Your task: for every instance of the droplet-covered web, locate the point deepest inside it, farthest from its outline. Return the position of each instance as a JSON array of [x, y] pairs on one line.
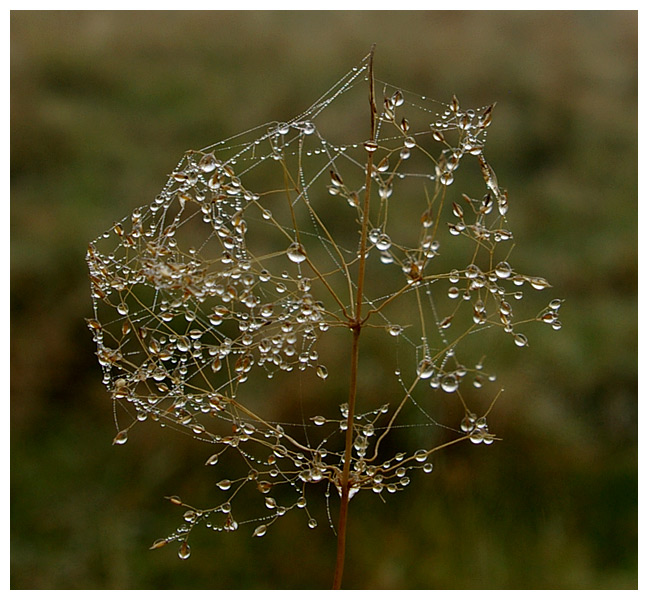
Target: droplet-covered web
[[245, 263]]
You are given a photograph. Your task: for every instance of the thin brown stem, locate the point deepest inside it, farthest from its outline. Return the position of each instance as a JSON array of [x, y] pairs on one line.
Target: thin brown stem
[[356, 326], [344, 484]]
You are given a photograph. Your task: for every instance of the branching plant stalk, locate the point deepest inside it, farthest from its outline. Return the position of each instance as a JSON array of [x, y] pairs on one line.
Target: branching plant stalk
[[189, 304], [355, 325]]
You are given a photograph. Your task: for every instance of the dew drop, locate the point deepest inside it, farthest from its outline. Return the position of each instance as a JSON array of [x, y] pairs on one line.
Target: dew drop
[[453, 292], [353, 200], [446, 178], [383, 242], [360, 444], [427, 219], [336, 182], [425, 368], [322, 371], [395, 330], [520, 340], [549, 317], [183, 344], [296, 253], [472, 271], [385, 191], [446, 322], [477, 436], [420, 455], [121, 438], [312, 523], [503, 270], [260, 531], [207, 163], [437, 136], [374, 235], [319, 420], [538, 283], [383, 165], [449, 383], [184, 552], [224, 484], [264, 486], [212, 460]]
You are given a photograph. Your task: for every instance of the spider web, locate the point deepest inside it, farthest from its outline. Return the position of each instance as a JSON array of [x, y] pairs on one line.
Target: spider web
[[247, 262]]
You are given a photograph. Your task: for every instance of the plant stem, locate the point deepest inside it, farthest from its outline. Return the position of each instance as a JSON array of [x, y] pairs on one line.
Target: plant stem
[[344, 484], [356, 326]]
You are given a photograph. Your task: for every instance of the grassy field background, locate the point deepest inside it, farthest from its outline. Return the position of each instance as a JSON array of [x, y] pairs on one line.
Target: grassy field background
[[103, 104]]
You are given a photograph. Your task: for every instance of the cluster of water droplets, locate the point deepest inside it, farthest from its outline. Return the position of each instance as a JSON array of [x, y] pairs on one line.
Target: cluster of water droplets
[[230, 275]]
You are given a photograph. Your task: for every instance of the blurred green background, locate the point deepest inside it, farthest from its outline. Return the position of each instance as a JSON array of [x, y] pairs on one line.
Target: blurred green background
[[103, 104]]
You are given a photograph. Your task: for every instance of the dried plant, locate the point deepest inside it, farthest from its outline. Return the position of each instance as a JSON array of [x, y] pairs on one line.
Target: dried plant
[[261, 246]]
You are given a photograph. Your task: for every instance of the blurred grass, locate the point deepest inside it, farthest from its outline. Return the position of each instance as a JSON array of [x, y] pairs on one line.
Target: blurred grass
[[103, 104]]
